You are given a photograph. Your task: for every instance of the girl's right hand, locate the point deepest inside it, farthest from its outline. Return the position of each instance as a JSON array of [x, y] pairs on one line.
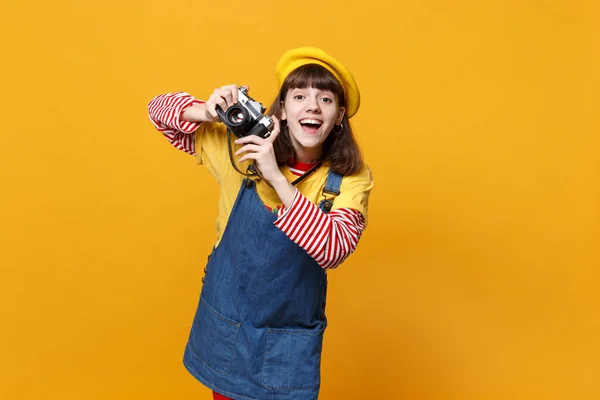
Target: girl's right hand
[[223, 97]]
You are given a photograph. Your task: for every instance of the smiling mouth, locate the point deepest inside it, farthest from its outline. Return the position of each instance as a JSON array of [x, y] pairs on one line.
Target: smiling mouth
[[310, 125]]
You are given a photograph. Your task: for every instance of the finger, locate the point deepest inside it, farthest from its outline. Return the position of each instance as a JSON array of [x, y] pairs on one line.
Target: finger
[[230, 92], [227, 94], [233, 89], [219, 97], [234, 93], [251, 139], [210, 106], [210, 110], [275, 131], [249, 156], [249, 147], [229, 87], [216, 100]]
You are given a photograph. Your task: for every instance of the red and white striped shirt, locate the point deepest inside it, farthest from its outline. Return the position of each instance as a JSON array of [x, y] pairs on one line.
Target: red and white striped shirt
[[328, 238]]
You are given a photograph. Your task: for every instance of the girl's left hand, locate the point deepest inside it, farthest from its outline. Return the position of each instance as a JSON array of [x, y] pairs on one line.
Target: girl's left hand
[[261, 150]]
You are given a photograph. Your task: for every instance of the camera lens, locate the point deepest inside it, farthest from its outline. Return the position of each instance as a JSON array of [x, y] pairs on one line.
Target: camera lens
[[237, 116]]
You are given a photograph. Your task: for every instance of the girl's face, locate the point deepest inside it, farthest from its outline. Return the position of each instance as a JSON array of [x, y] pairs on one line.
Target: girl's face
[[311, 114]]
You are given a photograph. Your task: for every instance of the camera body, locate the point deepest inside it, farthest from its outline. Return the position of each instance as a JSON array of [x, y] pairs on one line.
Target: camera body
[[246, 117]]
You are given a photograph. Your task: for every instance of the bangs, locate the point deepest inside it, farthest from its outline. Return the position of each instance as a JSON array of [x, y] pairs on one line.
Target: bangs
[[314, 76]]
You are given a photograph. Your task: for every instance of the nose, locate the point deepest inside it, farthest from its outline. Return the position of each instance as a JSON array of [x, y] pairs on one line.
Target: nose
[[312, 104]]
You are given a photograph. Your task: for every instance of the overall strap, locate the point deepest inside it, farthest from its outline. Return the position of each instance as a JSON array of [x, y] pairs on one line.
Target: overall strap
[[332, 188]]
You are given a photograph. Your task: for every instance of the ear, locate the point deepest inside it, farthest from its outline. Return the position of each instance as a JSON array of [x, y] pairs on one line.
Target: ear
[[340, 117]]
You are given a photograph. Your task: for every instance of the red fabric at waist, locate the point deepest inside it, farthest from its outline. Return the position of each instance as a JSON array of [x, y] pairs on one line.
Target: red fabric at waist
[[217, 396]]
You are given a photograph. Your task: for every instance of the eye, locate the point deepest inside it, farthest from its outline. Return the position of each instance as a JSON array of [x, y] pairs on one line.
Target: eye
[[326, 99], [298, 96]]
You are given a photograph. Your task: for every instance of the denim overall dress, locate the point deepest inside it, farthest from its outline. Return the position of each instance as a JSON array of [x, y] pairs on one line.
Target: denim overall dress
[[258, 330]]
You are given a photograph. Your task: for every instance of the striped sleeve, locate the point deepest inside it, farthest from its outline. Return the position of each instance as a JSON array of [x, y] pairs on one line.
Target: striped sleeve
[[165, 111], [328, 238]]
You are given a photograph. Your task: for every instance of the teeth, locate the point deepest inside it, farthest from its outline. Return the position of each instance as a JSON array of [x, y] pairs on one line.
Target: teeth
[[310, 121]]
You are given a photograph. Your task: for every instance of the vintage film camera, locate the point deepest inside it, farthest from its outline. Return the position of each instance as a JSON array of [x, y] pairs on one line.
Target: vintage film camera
[[246, 117]]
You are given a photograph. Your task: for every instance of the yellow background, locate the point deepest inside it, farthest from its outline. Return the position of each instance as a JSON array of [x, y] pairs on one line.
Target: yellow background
[[476, 278]]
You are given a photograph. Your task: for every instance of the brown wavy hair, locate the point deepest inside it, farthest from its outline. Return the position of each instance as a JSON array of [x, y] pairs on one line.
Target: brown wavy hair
[[340, 149]]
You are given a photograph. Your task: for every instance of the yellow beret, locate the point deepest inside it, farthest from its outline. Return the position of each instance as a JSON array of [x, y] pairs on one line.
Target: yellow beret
[[295, 58]]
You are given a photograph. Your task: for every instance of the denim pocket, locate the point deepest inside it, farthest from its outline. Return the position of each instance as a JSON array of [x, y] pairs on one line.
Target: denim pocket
[[293, 358], [214, 337]]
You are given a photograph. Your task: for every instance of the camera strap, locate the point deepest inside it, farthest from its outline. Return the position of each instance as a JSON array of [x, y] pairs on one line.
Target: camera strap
[[254, 171], [306, 174]]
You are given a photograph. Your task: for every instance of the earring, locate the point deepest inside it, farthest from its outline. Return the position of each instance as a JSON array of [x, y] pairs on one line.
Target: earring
[[341, 128]]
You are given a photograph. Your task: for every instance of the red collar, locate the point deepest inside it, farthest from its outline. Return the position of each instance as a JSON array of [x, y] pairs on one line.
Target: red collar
[[300, 166]]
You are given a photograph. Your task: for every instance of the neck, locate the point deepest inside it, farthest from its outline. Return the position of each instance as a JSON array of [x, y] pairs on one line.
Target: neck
[[308, 156]]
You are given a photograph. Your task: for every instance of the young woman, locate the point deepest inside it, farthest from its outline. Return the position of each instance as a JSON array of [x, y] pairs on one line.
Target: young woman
[[258, 329]]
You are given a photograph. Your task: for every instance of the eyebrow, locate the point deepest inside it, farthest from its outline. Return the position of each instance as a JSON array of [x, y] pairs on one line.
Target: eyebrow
[[310, 87]]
